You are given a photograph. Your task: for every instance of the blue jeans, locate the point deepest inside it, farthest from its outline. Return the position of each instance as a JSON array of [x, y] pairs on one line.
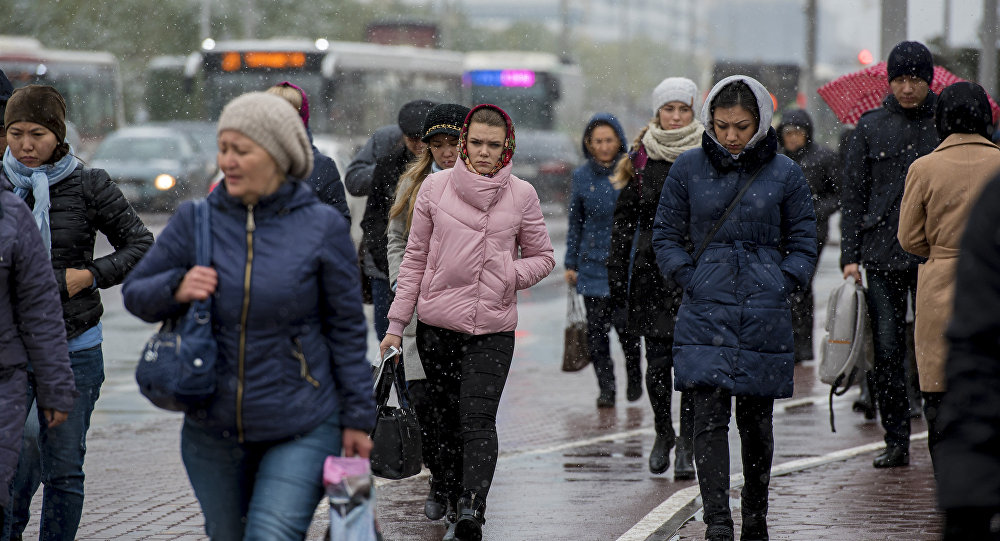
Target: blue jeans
[[887, 293], [54, 457], [258, 490], [381, 301]]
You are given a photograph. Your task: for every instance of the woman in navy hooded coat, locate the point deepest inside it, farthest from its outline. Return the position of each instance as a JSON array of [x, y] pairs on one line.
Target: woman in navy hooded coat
[[733, 335], [588, 239]]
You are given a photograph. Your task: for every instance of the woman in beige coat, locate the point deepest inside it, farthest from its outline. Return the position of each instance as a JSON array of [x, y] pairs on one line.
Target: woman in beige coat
[[940, 190]]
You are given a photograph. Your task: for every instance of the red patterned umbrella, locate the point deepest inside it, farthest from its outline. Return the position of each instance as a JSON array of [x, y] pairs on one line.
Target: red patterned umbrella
[[849, 96]]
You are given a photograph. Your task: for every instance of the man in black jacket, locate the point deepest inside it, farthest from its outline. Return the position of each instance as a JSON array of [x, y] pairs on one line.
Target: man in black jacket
[[388, 168], [885, 143], [822, 169]]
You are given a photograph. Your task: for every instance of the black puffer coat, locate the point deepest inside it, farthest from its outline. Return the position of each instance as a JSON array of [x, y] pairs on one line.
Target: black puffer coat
[[885, 143], [633, 275], [85, 202]]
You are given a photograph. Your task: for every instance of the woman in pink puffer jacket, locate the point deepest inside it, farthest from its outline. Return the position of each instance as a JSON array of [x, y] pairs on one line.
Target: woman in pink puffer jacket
[[476, 238]]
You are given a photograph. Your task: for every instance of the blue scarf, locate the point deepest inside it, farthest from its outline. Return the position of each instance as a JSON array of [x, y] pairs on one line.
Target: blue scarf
[[36, 180]]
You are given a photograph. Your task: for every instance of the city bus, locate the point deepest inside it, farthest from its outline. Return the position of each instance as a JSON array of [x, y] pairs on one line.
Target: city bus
[[353, 88], [538, 90], [89, 81]]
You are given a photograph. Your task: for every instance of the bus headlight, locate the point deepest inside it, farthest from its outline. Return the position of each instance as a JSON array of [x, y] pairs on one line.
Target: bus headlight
[[164, 182]]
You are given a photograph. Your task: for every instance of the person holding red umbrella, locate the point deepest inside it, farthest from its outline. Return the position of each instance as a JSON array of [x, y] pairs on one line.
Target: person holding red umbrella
[[885, 143]]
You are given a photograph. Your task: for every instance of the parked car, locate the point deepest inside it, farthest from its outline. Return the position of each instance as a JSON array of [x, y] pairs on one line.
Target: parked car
[[546, 159], [156, 166]]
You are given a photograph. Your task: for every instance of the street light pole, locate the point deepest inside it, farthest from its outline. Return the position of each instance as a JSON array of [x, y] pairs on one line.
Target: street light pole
[[988, 43], [808, 79], [893, 25]]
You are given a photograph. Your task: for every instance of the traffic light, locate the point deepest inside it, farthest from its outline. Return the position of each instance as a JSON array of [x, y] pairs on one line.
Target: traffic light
[[865, 57]]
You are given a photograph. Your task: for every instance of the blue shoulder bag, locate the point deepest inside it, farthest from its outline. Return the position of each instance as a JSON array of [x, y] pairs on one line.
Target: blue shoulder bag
[[176, 371]]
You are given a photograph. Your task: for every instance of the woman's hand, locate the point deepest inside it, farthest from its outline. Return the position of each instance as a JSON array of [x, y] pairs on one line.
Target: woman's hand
[[77, 280], [198, 283], [356, 443], [571, 277], [852, 269], [390, 340], [54, 418]]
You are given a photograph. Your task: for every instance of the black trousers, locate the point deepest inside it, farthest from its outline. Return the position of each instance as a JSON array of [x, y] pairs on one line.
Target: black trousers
[[465, 378], [659, 384], [712, 410], [430, 438], [600, 319], [887, 294], [932, 405]]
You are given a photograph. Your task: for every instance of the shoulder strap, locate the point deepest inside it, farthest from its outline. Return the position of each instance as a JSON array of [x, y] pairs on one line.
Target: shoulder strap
[[202, 233], [722, 220]]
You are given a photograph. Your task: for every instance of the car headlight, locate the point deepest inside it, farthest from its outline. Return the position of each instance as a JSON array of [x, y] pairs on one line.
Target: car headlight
[[164, 182]]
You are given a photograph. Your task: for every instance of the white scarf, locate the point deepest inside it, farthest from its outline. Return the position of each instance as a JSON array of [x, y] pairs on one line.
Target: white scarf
[[666, 145]]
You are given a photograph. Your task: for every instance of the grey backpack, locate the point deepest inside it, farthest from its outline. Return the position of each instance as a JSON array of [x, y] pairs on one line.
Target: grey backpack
[[847, 347]]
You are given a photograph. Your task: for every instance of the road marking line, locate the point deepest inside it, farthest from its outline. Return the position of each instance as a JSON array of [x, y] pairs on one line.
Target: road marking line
[[671, 511]]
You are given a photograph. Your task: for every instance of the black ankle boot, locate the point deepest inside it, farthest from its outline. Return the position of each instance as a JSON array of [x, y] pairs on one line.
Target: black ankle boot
[[892, 457], [719, 532], [754, 526], [471, 517], [606, 399], [683, 461], [436, 504], [659, 455]]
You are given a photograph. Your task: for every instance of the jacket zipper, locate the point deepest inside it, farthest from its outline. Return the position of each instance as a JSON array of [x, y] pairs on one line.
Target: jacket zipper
[[303, 366], [251, 227]]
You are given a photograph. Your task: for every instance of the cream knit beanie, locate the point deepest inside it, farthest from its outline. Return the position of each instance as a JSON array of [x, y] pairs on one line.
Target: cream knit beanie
[[671, 89], [271, 122]]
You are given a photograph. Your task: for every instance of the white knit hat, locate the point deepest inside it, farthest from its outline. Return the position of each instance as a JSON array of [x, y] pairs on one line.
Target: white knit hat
[[671, 89], [273, 123]]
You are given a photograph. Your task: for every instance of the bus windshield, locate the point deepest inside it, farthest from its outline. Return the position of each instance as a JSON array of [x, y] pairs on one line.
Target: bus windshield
[[221, 87], [363, 101]]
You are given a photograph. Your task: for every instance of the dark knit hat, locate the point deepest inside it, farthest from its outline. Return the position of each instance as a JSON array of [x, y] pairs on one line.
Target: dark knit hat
[[412, 115], [273, 123], [963, 108], [910, 58], [42, 105], [444, 118]]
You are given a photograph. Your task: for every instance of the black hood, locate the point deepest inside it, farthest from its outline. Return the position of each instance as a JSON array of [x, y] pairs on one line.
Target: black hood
[[798, 118], [963, 108]]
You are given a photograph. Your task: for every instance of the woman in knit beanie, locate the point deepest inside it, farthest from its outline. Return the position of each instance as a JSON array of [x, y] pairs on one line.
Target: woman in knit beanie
[[651, 301], [293, 382], [70, 203]]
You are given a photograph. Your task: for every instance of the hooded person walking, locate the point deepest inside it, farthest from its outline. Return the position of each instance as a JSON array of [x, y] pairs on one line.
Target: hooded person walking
[[591, 214], [941, 188], [734, 331], [634, 279], [477, 237]]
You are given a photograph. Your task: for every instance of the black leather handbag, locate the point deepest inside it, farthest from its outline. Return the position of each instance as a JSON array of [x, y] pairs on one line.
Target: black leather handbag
[[176, 371], [396, 447]]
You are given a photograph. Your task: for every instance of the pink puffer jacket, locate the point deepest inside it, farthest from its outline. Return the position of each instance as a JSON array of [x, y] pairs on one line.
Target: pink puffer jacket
[[461, 268]]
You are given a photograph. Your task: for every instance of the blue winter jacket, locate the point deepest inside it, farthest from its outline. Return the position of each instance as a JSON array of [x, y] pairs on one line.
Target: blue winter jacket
[[591, 215], [734, 328], [287, 268]]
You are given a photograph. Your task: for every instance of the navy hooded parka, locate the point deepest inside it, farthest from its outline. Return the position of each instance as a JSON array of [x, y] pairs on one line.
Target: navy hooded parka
[[734, 329], [591, 215]]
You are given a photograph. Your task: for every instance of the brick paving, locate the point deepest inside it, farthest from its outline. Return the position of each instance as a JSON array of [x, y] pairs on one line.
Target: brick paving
[[849, 500]]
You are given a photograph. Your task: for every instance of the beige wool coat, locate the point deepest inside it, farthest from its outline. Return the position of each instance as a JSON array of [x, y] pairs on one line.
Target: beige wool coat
[[941, 188]]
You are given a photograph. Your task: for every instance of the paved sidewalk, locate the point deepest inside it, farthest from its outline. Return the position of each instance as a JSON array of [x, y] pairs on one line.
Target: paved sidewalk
[[848, 500]]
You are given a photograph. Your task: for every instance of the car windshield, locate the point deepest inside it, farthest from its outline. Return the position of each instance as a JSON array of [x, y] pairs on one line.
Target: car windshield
[[139, 148]]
